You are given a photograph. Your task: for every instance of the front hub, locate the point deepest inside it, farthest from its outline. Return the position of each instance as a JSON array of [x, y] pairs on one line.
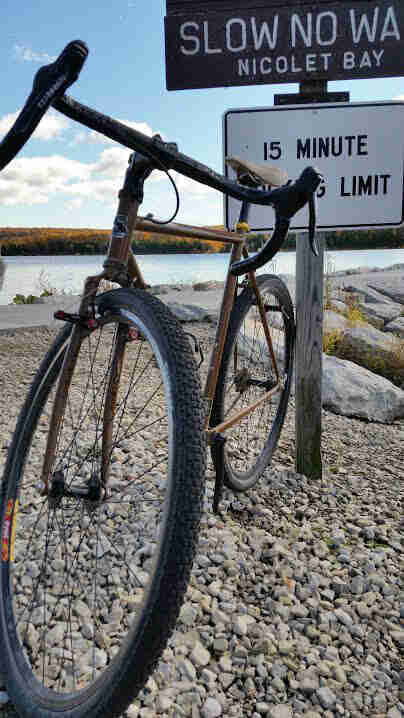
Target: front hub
[[92, 492]]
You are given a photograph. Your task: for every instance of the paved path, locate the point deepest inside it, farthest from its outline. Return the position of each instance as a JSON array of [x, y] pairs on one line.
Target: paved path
[[32, 316]]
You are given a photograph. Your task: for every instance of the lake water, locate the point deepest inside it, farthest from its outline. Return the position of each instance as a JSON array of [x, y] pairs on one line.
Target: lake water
[[29, 275]]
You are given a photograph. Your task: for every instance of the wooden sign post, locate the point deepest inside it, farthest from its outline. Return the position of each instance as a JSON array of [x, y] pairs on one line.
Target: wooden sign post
[[309, 320], [309, 357]]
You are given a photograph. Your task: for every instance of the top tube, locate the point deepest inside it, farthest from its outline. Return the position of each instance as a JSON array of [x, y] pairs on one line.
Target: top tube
[[164, 153]]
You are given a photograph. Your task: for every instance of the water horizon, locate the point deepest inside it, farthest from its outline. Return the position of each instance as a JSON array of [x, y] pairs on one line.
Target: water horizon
[[65, 273]]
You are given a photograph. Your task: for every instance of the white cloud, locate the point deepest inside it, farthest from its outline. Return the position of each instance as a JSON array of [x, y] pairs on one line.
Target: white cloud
[[192, 188], [399, 97], [34, 180], [7, 121], [41, 170], [14, 192], [93, 137], [74, 203], [51, 126], [104, 191], [26, 54], [113, 162], [38, 180]]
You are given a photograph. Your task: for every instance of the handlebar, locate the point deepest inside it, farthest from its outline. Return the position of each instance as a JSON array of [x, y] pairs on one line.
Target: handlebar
[[50, 83], [287, 201]]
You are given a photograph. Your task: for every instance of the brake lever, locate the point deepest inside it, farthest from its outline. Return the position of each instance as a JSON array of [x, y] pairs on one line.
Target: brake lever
[[312, 224]]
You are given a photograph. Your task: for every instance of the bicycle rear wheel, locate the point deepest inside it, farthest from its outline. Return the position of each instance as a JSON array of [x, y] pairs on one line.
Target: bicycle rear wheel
[[247, 373], [90, 588]]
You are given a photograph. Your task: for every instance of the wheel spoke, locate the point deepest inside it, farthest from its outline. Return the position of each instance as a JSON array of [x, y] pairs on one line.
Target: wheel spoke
[[248, 441], [85, 544], [83, 564]]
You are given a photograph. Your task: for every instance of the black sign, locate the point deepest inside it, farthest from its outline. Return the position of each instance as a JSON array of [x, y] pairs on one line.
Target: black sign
[[258, 42], [208, 5]]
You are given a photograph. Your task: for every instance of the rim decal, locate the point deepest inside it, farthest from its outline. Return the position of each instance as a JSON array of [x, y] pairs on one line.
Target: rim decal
[[12, 537], [8, 534]]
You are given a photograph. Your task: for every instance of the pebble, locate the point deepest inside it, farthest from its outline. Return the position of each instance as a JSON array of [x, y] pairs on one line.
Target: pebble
[[280, 711], [200, 656], [326, 697], [211, 708], [132, 711]]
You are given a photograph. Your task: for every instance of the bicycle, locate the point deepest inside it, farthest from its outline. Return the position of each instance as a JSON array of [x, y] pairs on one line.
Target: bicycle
[[103, 485]]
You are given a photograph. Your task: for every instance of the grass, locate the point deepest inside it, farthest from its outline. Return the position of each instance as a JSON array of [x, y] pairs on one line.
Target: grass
[[353, 312]]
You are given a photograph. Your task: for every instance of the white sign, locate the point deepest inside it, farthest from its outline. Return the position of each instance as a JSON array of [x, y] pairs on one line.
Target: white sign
[[359, 148]]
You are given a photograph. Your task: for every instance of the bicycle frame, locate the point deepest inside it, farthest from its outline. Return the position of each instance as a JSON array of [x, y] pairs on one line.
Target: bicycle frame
[[121, 267]]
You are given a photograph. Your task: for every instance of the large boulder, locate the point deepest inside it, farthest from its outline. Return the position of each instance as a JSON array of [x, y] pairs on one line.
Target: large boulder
[[207, 286], [189, 312], [377, 351], [379, 313], [334, 321], [351, 390], [392, 288], [364, 293], [376, 282]]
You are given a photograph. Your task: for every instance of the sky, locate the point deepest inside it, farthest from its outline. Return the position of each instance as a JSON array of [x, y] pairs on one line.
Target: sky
[[67, 176]]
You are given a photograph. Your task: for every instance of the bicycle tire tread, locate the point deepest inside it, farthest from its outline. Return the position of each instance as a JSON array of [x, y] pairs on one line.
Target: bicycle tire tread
[[136, 664]]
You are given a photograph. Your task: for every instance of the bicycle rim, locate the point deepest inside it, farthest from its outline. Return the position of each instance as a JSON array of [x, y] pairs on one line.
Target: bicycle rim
[[247, 373], [91, 587]]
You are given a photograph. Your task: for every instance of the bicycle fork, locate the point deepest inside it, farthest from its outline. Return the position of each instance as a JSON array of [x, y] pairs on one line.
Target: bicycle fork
[[120, 266]]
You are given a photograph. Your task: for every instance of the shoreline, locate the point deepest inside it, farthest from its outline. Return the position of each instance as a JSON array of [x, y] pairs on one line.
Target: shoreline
[[26, 316]]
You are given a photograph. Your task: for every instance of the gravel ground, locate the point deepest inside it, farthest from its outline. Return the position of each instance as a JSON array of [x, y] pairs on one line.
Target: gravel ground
[[296, 602]]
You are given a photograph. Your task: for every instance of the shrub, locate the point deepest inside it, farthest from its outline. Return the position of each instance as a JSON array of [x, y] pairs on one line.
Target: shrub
[[25, 299], [331, 341]]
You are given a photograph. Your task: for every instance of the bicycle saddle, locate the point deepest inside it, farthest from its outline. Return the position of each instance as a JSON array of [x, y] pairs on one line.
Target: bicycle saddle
[[260, 174]]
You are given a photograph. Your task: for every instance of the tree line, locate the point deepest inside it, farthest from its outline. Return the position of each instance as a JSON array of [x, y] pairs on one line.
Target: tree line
[[342, 239], [37, 241]]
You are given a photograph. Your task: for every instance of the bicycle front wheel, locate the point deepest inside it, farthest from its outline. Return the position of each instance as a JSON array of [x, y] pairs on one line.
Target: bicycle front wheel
[[247, 373], [91, 583]]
